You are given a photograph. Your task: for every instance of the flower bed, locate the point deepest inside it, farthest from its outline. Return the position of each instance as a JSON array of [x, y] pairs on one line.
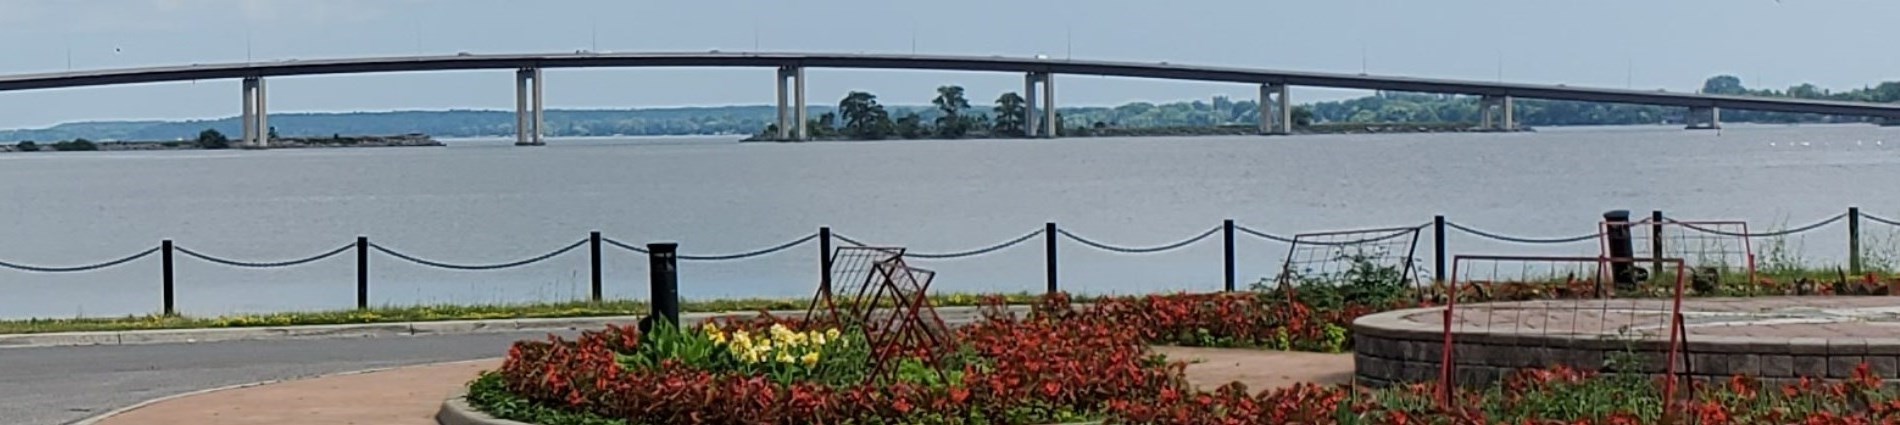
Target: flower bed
[[1066, 362]]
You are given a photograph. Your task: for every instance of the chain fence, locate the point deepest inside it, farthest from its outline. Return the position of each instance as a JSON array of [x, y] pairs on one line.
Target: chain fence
[[1522, 239], [84, 268], [957, 254], [264, 264], [444, 265], [1139, 250], [1396, 232]]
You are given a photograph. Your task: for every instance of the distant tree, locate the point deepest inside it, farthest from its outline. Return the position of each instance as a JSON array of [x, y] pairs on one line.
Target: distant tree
[[1302, 116], [911, 126], [1011, 113], [1724, 84], [80, 144], [864, 118], [951, 102], [212, 139], [28, 146], [272, 134]]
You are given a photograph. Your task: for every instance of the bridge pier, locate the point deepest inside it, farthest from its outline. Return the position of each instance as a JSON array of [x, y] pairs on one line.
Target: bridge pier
[[256, 116], [795, 75], [1496, 113], [1045, 123], [1275, 110], [1703, 118], [528, 113]]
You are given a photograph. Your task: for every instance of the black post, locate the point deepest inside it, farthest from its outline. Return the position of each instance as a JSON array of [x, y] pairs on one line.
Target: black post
[[1616, 230], [593, 249], [824, 259], [166, 248], [1049, 254], [1438, 248], [663, 272], [1655, 242], [1227, 236], [362, 272], [1853, 240]]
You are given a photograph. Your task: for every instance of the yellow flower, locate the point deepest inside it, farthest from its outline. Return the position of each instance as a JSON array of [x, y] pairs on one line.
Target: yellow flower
[[810, 358], [786, 358], [831, 333], [817, 338]]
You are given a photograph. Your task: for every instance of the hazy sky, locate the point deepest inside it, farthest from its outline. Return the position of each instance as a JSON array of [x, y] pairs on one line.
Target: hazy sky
[[1671, 44]]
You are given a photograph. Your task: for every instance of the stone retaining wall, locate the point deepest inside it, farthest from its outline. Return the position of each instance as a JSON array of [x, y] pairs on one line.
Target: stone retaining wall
[[1397, 347]]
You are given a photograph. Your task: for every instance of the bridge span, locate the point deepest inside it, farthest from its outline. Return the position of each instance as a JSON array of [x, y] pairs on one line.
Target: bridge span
[[1039, 74]]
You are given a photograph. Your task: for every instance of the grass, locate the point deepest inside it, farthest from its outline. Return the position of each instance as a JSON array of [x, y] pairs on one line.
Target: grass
[[432, 313]]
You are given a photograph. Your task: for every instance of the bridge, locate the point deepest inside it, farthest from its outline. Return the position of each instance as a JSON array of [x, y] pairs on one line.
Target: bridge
[[1039, 74]]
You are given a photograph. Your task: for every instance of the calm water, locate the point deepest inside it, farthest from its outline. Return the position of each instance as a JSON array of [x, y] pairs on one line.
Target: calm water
[[486, 202]]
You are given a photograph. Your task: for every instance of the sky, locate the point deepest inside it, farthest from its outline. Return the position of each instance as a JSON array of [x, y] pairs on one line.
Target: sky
[[1645, 44]]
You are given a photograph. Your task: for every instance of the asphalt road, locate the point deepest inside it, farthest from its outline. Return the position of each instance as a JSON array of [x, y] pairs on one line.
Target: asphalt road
[[62, 385]]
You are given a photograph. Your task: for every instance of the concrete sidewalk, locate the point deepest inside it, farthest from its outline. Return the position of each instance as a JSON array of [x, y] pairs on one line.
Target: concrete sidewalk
[[411, 395], [401, 396]]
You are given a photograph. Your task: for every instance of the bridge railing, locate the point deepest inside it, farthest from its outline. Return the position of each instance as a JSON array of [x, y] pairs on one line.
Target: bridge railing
[[1438, 227]]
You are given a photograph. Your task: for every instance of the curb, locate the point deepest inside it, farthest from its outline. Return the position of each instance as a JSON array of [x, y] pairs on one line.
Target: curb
[[456, 411], [95, 419], [376, 330]]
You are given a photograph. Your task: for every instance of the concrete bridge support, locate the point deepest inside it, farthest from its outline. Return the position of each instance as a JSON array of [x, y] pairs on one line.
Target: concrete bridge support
[[1704, 118], [256, 116], [1043, 124], [1275, 110], [1496, 113], [789, 118], [528, 113]]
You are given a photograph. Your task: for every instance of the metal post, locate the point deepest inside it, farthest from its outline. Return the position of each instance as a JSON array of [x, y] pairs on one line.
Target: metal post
[[593, 248], [1438, 248], [1616, 231], [166, 248], [1049, 254], [824, 259], [1655, 243], [1853, 240], [663, 267], [1227, 239], [362, 272]]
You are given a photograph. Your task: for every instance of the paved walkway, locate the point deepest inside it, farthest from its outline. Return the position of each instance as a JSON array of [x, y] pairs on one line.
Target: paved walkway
[[411, 395]]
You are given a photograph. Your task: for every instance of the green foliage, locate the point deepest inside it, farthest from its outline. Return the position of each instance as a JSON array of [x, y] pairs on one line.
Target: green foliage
[[489, 394], [951, 103], [1364, 282], [76, 145], [212, 139], [28, 146], [832, 357], [1011, 115], [864, 118]]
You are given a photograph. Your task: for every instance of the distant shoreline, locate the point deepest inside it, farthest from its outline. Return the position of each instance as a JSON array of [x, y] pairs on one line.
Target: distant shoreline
[[405, 140], [1184, 131]]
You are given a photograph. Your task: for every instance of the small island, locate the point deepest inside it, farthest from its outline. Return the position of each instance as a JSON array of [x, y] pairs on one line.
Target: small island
[[213, 139], [859, 116]]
